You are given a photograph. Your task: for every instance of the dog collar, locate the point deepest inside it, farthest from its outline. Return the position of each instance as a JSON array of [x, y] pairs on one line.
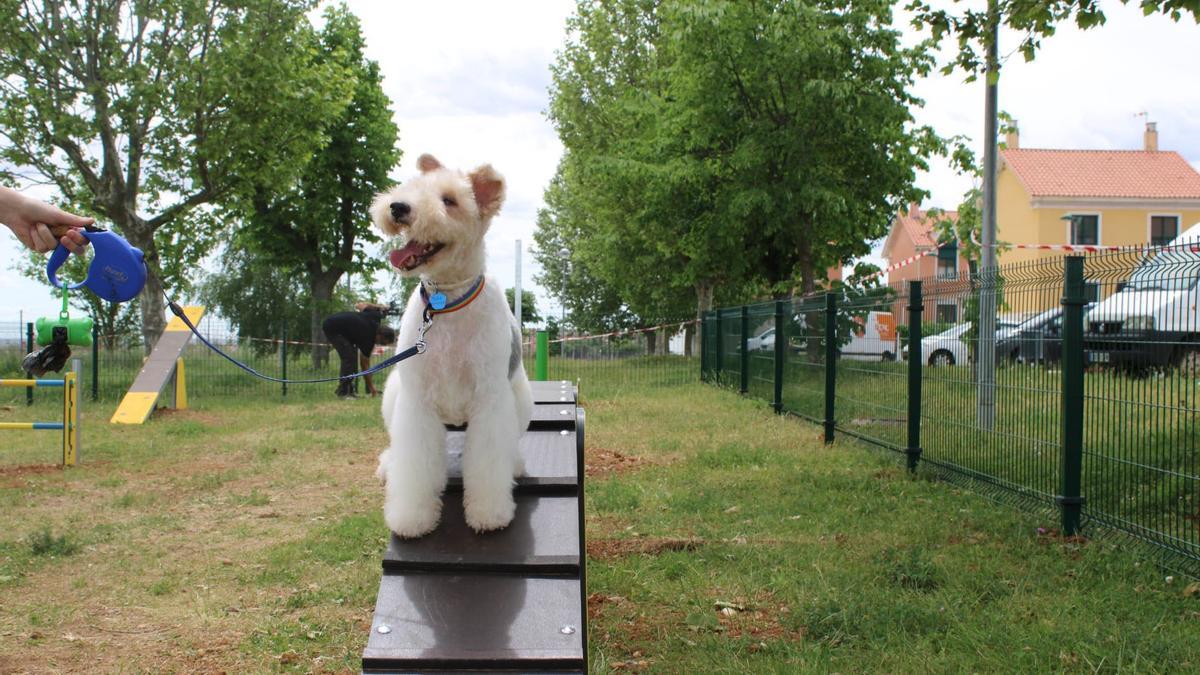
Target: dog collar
[[433, 301]]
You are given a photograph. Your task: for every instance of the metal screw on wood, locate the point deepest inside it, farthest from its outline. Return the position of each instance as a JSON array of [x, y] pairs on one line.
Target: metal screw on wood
[[383, 629], [563, 432], [567, 630]]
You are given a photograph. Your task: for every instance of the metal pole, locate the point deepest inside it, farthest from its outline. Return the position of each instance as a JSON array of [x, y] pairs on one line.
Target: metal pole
[[540, 357], [283, 360], [95, 362], [704, 347], [517, 288], [744, 366], [73, 392], [985, 356], [830, 363], [720, 354], [29, 346], [1071, 499], [915, 362], [780, 354]]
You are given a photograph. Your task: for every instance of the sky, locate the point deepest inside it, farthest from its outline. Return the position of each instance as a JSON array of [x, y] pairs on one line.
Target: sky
[[469, 81]]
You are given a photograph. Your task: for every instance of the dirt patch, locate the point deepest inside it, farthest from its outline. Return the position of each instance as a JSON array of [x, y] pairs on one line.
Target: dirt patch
[[13, 476], [758, 619], [605, 462], [611, 549]]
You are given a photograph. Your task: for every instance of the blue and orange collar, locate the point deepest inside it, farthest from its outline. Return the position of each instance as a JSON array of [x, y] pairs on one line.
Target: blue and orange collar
[[438, 298]]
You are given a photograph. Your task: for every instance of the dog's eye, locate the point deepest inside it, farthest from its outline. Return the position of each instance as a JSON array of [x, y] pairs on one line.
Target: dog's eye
[[449, 201]]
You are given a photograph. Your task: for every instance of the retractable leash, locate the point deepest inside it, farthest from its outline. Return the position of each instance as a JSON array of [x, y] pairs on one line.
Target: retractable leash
[[118, 273]]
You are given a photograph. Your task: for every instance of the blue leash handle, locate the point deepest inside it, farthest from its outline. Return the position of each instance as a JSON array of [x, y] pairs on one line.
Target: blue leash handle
[[386, 363], [117, 272]]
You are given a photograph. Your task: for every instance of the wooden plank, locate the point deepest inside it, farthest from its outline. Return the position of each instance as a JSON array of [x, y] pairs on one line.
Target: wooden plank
[[489, 622], [553, 392], [142, 396], [551, 463], [542, 539]]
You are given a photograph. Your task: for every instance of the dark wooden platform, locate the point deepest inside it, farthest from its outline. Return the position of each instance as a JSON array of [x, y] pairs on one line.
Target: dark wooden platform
[[505, 601]]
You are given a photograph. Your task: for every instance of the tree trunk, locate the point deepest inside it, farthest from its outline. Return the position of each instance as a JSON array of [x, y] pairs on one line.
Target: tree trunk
[[153, 308], [321, 284], [704, 304], [689, 333], [651, 342]]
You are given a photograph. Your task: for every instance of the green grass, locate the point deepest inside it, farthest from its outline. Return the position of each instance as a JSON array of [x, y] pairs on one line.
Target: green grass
[[246, 536]]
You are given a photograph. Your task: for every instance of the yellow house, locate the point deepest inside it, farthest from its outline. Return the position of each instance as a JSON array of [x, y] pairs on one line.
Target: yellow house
[[1092, 197]]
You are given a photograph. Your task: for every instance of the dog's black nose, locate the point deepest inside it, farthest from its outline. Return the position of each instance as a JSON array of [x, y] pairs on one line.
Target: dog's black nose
[[400, 210]]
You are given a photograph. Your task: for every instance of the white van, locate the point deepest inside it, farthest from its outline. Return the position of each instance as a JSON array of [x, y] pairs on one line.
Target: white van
[[1152, 320], [873, 338]]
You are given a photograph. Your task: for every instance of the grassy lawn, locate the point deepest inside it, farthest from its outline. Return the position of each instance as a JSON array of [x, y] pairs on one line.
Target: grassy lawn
[[245, 535]]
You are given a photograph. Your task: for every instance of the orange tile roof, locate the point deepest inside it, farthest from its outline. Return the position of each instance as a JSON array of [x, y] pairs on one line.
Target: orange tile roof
[[1104, 173], [919, 226]]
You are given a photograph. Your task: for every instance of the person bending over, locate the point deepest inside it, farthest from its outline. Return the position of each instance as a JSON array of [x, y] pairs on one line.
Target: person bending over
[[356, 334]]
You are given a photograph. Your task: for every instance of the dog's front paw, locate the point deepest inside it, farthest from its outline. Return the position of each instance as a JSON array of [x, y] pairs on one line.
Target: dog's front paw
[[381, 470], [408, 521], [519, 466], [485, 515]]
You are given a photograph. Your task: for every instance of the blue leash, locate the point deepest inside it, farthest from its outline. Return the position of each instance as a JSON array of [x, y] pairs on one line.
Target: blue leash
[[418, 348]]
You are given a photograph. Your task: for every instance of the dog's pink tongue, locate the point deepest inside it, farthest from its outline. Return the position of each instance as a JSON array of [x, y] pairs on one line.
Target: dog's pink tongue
[[402, 257]]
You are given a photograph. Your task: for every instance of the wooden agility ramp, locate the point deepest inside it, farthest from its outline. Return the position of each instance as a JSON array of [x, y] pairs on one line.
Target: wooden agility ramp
[[139, 401], [512, 600]]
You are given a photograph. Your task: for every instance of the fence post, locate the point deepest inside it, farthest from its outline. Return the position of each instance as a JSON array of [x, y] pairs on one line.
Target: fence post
[[30, 343], [283, 360], [915, 362], [541, 356], [95, 362], [744, 354], [704, 347], [1071, 499], [720, 367], [830, 362], [781, 342]]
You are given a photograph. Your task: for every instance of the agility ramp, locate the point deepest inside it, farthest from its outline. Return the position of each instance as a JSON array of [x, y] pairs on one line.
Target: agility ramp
[[512, 600], [143, 394]]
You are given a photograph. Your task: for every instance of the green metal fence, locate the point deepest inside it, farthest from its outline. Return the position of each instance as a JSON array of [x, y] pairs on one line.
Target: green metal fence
[[1083, 402]]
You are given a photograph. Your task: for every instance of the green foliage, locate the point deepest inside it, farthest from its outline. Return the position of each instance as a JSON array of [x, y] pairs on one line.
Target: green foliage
[[1034, 19], [45, 543], [142, 113], [718, 146], [529, 308]]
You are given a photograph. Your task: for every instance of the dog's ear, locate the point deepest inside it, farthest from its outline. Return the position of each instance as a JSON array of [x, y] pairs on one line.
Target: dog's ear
[[427, 163], [488, 187]]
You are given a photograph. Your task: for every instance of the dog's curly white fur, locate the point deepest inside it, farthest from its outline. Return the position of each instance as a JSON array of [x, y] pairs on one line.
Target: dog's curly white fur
[[468, 373]]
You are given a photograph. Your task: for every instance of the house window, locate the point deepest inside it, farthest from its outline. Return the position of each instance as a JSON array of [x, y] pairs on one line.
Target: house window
[[1163, 229], [946, 313], [1085, 230], [947, 261]]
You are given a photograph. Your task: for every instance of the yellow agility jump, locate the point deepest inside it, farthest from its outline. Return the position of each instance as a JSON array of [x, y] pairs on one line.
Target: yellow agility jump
[[70, 424]]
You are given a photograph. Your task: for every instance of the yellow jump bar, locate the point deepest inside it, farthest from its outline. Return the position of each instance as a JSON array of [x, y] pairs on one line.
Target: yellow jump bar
[[31, 383]]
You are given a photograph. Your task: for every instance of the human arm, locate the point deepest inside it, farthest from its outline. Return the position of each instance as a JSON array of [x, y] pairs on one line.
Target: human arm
[[41, 226]]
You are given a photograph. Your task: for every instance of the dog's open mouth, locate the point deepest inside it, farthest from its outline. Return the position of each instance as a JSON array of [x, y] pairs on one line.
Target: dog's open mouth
[[414, 254]]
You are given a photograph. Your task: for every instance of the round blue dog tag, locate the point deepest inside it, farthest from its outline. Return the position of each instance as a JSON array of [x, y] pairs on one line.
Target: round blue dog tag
[[438, 300]]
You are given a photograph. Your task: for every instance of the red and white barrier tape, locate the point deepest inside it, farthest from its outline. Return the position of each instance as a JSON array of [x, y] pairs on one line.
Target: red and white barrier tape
[[631, 331]]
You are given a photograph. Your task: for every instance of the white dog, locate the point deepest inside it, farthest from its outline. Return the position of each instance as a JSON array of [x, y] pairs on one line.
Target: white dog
[[471, 369]]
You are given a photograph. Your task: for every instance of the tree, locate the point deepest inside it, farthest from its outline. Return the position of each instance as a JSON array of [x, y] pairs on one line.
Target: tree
[[529, 309], [320, 226], [141, 112], [716, 146], [1036, 19], [261, 299]]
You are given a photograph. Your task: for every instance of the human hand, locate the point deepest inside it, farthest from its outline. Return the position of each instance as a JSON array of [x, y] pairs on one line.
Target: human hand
[[41, 226]]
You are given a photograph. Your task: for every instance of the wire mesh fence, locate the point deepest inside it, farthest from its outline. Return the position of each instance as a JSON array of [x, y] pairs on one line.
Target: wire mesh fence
[[607, 364], [1117, 451]]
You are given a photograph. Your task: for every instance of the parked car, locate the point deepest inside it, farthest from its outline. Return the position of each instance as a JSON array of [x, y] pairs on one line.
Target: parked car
[[1036, 340], [1152, 320], [764, 341], [948, 348]]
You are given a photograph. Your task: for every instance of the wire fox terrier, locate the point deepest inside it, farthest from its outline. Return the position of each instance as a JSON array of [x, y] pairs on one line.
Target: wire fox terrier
[[470, 372]]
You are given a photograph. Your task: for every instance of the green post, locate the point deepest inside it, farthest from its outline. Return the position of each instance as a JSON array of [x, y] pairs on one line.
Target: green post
[[781, 342], [283, 359], [744, 352], [830, 362], [95, 362], [29, 344], [720, 354], [541, 359], [704, 347], [1074, 299], [915, 361]]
